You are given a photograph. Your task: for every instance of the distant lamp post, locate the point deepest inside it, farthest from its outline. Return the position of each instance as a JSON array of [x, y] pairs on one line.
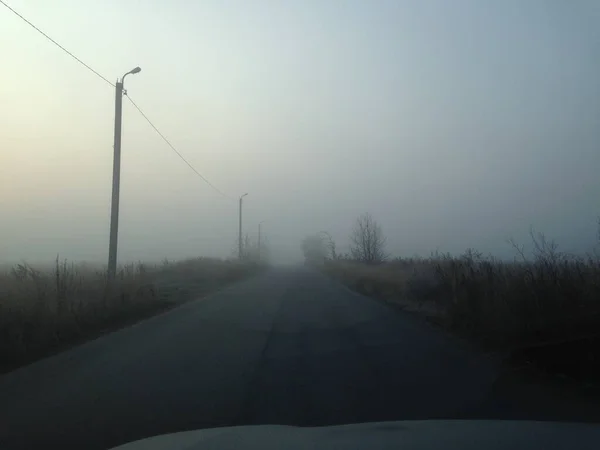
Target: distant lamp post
[[241, 244], [259, 234], [114, 205]]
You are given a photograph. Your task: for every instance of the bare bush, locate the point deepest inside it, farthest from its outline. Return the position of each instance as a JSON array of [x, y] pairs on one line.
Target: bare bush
[[553, 296], [548, 297], [367, 242], [329, 245]]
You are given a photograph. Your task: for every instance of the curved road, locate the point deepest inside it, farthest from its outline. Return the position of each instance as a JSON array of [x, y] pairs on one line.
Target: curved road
[[286, 347]]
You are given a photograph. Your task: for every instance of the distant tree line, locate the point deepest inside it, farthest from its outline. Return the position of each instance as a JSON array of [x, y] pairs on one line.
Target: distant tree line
[[367, 244]]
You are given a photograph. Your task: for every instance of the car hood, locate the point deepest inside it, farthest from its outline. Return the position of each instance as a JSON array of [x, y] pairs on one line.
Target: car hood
[[405, 435]]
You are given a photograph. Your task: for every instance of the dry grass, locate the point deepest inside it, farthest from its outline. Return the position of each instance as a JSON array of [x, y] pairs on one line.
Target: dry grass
[[408, 283], [543, 314], [501, 304], [44, 310]]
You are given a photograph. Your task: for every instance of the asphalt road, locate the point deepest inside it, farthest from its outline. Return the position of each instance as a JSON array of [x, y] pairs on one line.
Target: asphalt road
[[287, 347]]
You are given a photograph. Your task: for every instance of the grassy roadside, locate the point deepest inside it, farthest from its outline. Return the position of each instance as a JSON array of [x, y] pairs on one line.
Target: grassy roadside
[[544, 312], [542, 317], [45, 311]]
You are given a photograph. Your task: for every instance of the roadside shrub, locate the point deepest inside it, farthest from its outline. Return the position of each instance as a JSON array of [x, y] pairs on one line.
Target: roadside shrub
[[42, 310], [553, 296]]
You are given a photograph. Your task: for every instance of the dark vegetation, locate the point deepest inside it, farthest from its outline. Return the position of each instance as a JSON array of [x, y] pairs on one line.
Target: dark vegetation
[[44, 311], [540, 309]]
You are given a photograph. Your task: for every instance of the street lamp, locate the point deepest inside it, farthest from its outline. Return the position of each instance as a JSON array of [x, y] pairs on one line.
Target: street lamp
[[240, 248], [133, 71], [259, 247], [114, 206]]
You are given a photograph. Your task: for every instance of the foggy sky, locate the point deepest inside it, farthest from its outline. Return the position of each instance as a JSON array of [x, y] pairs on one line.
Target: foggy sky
[[454, 123]]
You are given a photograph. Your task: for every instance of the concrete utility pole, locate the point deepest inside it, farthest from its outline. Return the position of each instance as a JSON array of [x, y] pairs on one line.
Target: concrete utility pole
[[241, 243], [259, 247], [116, 182]]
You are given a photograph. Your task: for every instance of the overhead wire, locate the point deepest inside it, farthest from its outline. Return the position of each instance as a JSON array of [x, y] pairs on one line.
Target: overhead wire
[[57, 44], [164, 138], [125, 93]]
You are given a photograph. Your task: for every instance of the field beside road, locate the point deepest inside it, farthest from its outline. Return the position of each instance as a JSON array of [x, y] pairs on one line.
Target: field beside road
[[290, 346], [44, 310], [543, 313]]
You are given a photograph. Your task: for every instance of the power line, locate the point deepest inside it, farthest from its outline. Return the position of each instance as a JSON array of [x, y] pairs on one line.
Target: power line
[[175, 150], [56, 43], [129, 98]]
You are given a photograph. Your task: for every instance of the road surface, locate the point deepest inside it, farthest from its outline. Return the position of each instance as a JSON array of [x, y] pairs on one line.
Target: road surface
[[287, 347]]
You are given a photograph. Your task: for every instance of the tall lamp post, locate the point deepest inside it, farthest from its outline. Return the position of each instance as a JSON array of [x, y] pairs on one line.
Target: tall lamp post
[[116, 182], [241, 244], [259, 247]]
